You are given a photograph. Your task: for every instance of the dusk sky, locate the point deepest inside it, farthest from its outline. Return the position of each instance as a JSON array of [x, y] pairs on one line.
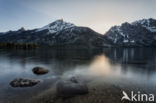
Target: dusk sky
[[99, 15]]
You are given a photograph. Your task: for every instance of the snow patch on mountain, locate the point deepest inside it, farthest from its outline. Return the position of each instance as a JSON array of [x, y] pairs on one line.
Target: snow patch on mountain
[[56, 26], [118, 30], [125, 41], [146, 23]]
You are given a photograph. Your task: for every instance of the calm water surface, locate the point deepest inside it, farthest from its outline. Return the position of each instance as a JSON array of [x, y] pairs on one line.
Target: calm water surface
[[136, 65]]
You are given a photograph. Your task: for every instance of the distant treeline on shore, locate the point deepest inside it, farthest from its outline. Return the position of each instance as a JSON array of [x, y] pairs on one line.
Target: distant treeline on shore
[[18, 45]]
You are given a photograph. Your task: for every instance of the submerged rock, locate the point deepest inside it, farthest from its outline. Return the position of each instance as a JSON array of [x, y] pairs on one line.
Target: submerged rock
[[20, 82], [40, 70], [69, 88]]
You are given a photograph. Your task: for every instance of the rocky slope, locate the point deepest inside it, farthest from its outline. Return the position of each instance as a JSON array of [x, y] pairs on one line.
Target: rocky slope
[[138, 33]]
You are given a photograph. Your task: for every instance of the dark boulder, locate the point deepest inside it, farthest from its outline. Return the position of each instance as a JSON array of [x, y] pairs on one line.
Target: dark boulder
[[69, 88], [40, 70], [20, 82]]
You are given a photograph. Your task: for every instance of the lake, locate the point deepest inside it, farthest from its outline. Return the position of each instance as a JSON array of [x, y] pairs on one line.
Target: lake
[[121, 67]]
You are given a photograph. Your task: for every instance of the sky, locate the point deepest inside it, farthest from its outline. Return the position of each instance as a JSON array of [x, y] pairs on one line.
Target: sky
[[99, 15]]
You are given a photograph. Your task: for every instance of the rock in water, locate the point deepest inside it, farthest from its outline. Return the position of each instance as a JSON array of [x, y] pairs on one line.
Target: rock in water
[[69, 88], [20, 82], [40, 70]]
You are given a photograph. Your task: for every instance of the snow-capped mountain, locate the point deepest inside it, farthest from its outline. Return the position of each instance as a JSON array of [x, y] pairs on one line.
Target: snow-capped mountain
[[61, 33], [138, 33], [57, 33], [56, 26]]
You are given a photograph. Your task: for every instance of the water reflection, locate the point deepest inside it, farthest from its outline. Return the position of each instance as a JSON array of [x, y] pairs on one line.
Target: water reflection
[[127, 64], [100, 66], [113, 64]]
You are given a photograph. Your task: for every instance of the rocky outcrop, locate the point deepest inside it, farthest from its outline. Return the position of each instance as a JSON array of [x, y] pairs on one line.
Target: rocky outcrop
[[40, 70], [70, 88], [20, 82]]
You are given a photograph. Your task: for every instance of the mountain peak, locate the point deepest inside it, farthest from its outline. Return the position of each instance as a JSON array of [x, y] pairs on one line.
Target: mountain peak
[[21, 29], [143, 21], [59, 20], [56, 26]]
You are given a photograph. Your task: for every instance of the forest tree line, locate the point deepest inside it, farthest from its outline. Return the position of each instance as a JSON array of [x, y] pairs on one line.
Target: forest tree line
[[18, 45]]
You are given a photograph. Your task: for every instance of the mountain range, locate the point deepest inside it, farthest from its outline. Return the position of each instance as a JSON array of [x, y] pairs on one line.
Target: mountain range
[[61, 33]]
